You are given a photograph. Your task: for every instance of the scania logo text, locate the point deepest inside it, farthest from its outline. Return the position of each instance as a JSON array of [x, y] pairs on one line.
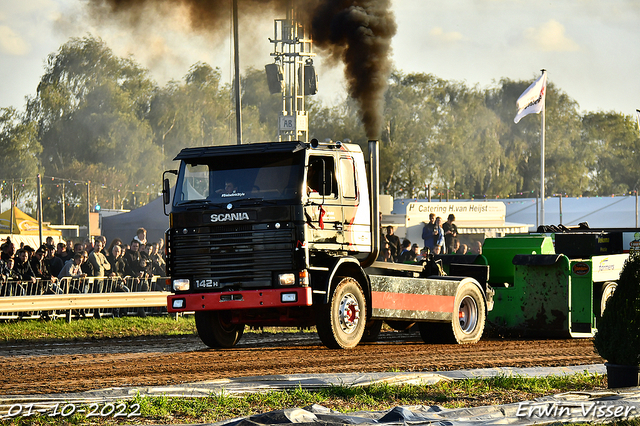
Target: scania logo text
[[227, 217]]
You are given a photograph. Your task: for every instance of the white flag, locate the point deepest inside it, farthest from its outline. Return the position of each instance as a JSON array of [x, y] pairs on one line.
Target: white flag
[[638, 118], [532, 100]]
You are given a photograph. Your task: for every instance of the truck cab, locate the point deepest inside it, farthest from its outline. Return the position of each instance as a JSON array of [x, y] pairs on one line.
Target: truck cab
[[287, 234], [255, 228]]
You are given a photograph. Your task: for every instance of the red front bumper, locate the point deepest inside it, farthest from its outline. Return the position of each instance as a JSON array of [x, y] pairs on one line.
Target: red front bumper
[[251, 299]]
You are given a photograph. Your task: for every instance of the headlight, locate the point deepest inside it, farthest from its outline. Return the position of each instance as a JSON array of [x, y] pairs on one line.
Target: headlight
[[287, 279], [181, 285]]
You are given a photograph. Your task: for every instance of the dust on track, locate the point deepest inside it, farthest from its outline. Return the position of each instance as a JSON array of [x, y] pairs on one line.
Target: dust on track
[[61, 367]]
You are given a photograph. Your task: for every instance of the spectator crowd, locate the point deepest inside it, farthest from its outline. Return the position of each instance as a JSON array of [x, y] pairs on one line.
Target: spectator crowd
[[438, 238], [28, 271]]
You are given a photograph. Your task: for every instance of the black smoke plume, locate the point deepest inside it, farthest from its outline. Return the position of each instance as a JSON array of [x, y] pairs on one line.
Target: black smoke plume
[[355, 32]]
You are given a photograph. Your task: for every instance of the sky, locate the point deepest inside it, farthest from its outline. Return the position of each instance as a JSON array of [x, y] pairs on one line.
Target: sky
[[588, 47]]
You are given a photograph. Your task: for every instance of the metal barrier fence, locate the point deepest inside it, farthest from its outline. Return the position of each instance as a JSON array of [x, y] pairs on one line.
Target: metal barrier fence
[[80, 297]]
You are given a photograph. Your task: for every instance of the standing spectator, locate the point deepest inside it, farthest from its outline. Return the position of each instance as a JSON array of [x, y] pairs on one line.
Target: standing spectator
[[87, 267], [160, 249], [450, 233], [9, 277], [88, 245], [115, 242], [394, 242], [73, 269], [141, 236], [47, 283], [385, 255], [132, 260], [116, 261], [53, 262], [23, 270], [70, 249], [145, 261], [104, 243], [438, 236], [429, 231], [157, 260], [99, 262], [37, 265], [8, 250], [62, 253], [49, 241], [405, 253]]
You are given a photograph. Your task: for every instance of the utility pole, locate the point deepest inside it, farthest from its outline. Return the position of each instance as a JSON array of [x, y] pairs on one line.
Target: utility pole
[[236, 61], [88, 209]]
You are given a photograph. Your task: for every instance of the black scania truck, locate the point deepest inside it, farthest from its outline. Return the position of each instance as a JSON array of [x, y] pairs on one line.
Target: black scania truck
[[286, 234]]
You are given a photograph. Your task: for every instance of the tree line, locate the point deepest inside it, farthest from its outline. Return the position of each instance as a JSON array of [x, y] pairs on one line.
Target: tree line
[[100, 118]]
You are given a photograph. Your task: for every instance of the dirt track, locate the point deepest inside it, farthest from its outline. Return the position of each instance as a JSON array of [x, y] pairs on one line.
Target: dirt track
[[80, 366]]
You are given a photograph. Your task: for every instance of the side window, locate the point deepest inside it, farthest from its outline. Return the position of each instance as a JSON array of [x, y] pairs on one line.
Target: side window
[[195, 183], [321, 177], [348, 178]]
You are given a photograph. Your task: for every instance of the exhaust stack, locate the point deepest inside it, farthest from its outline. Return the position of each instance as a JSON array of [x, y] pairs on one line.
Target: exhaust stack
[[374, 170]]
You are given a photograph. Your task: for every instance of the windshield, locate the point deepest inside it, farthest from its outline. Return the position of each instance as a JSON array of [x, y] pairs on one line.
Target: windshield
[[231, 178]]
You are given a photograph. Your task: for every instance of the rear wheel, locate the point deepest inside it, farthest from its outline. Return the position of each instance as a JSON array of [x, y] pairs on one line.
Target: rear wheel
[[341, 322], [471, 314], [216, 330], [467, 324]]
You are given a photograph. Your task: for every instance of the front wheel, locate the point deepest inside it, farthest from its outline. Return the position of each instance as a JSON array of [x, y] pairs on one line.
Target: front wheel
[[216, 330], [341, 322]]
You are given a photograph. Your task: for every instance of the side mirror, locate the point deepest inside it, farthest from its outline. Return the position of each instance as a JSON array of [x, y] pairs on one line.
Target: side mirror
[[166, 194]]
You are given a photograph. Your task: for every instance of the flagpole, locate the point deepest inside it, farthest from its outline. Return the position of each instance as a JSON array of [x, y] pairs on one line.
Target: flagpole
[[542, 158]]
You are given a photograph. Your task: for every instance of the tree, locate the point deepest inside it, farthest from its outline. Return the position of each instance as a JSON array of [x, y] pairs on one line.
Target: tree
[[20, 157], [91, 110], [614, 140]]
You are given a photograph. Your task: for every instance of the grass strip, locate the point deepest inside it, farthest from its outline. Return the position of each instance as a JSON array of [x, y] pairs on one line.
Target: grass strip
[[105, 328], [377, 397]]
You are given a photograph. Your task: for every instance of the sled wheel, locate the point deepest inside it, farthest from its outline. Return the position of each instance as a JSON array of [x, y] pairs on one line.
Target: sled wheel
[[467, 324], [341, 322], [216, 330], [471, 314]]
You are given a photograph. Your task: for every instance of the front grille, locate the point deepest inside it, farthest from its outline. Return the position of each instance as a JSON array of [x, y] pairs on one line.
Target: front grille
[[232, 254]]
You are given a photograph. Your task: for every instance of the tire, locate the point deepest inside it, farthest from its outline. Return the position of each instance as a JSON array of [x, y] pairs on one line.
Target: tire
[[467, 325], [216, 330], [607, 291], [341, 322], [371, 331]]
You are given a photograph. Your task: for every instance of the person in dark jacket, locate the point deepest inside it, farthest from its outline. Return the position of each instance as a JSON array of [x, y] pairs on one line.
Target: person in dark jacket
[[24, 272], [117, 261]]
